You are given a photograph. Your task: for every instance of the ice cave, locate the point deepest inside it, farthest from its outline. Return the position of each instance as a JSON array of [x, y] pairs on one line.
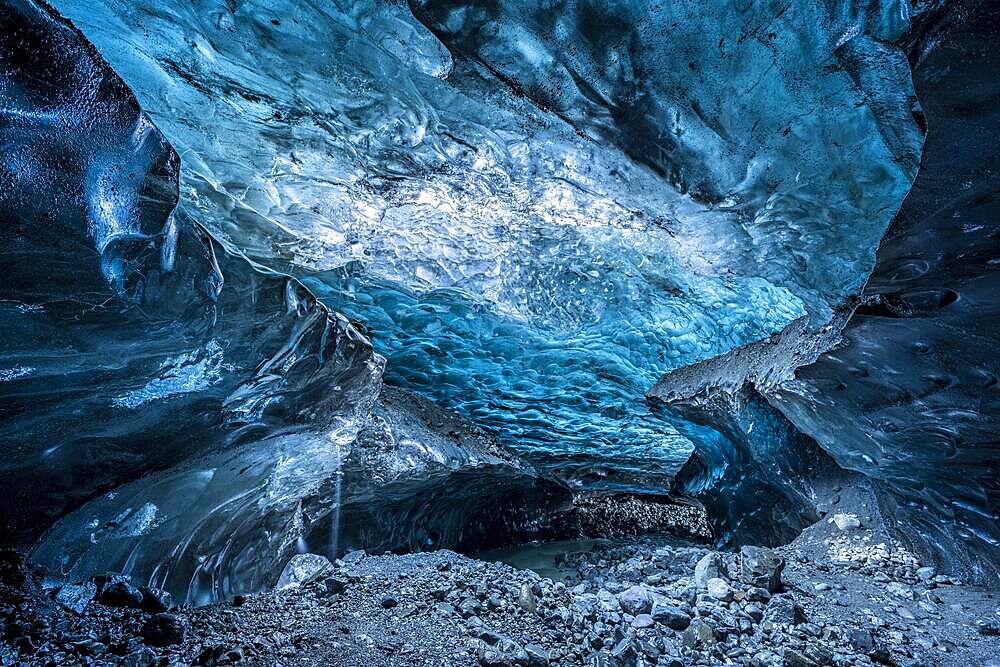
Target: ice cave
[[617, 333]]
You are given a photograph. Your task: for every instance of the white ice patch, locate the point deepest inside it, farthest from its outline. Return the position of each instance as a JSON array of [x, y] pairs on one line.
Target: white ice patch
[[16, 373], [180, 375]]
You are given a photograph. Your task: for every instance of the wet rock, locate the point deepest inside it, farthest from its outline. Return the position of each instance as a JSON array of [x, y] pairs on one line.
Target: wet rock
[[526, 599], [643, 621], [537, 656], [353, 557], [761, 568], [699, 633], [163, 630], [846, 521], [793, 658]]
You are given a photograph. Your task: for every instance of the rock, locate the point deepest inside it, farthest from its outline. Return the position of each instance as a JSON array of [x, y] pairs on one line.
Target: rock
[[353, 557], [761, 568], [926, 573], [783, 609], [636, 600], [504, 653], [698, 633], [846, 521], [163, 630], [793, 658], [643, 621], [709, 567], [336, 585], [861, 640], [624, 653], [76, 597], [155, 601], [121, 594], [720, 589], [673, 617], [537, 656], [526, 599], [303, 568], [388, 602]]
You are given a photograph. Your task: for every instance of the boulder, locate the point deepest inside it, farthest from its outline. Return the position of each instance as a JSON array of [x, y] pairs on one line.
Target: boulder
[[709, 567], [761, 568]]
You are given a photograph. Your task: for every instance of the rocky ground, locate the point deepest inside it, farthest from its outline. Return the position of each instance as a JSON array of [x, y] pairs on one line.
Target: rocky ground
[[837, 596]]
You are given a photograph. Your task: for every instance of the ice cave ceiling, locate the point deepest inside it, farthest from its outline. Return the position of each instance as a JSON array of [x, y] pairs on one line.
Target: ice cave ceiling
[[532, 211]]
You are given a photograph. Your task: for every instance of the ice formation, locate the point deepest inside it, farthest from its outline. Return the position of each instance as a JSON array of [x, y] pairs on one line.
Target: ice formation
[[530, 212]]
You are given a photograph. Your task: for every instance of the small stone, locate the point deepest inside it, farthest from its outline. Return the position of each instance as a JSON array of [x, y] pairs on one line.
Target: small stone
[[643, 621], [76, 597], [846, 521], [698, 633], [673, 617], [353, 557], [783, 609], [720, 589], [537, 656], [163, 630], [926, 573], [861, 640], [636, 600], [793, 658], [526, 599], [388, 602]]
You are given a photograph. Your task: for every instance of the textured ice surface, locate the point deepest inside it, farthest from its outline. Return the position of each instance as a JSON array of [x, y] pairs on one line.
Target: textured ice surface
[[912, 397], [909, 396], [413, 478], [134, 342], [574, 199]]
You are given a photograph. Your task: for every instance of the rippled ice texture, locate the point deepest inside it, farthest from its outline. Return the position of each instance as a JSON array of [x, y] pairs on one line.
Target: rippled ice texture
[[538, 223]]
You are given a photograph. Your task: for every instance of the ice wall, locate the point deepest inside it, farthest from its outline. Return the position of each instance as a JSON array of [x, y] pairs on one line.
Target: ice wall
[[537, 210]]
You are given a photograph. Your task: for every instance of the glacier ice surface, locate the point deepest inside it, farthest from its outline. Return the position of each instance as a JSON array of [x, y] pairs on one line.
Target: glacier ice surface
[[537, 210]]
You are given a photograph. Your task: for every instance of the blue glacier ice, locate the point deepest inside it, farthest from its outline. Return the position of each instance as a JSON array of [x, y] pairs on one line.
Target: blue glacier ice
[[533, 213], [537, 210]]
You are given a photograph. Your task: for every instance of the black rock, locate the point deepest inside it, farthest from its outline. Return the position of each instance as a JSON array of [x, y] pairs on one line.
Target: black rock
[[120, 594], [674, 618], [155, 601], [388, 602], [163, 630]]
